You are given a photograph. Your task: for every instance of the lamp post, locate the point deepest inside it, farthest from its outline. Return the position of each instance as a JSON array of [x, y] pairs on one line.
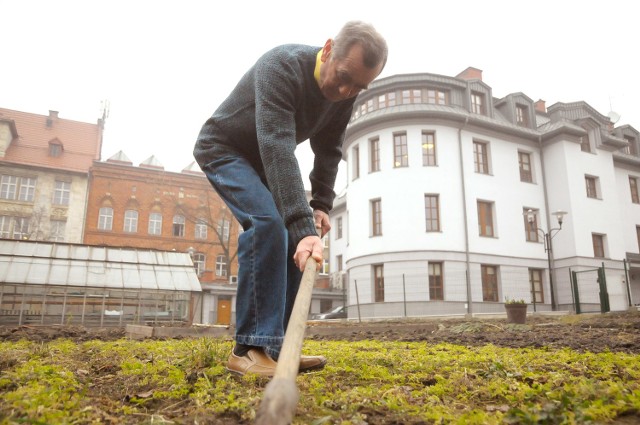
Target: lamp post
[[531, 217]]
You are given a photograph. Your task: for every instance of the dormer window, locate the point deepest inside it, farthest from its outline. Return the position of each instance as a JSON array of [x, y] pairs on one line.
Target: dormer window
[[55, 148], [436, 97], [585, 145], [477, 103], [370, 105], [632, 149], [411, 96], [522, 116], [587, 139], [385, 100]]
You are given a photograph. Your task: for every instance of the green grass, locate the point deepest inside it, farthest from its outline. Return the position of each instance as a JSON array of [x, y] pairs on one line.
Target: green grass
[[184, 381]]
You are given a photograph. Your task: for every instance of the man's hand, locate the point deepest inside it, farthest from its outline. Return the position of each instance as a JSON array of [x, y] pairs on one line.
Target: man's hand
[[310, 246], [322, 221]]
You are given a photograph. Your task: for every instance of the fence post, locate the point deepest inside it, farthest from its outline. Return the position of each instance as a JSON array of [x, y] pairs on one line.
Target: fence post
[[104, 300], [626, 278], [345, 281], [84, 306], [64, 305], [533, 292], [22, 307], [604, 293], [121, 307], [43, 307], [404, 295], [355, 284], [576, 292], [573, 300]]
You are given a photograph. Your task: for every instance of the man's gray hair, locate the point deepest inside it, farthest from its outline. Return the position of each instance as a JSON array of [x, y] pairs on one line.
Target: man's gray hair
[[358, 32]]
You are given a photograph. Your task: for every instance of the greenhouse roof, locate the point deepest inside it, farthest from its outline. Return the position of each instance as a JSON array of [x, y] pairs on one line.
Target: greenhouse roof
[[48, 263]]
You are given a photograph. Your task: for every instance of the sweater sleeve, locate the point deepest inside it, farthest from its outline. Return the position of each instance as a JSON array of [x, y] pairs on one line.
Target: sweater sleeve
[[275, 101]]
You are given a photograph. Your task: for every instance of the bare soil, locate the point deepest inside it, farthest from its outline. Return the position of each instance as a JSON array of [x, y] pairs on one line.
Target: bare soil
[[618, 332]]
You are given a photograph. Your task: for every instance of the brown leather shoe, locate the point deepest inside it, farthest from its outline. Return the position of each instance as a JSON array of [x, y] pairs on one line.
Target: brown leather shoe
[[258, 362], [309, 363], [255, 361]]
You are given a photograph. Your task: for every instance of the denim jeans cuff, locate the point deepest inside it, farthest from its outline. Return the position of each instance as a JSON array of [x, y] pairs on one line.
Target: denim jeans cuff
[[273, 342]]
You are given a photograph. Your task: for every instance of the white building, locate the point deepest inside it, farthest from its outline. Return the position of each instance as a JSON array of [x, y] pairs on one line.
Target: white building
[[441, 176]]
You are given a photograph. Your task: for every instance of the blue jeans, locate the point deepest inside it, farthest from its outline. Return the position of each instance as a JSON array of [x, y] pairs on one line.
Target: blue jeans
[[268, 279]]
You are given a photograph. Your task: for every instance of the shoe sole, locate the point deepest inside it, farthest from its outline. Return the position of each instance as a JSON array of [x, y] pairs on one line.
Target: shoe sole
[[234, 372], [241, 374], [319, 366], [312, 368]]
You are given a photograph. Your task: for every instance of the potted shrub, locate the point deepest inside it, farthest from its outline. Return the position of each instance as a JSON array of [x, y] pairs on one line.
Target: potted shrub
[[516, 310]]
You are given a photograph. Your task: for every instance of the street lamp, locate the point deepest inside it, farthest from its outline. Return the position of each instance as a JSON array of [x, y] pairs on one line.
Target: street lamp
[[531, 217]]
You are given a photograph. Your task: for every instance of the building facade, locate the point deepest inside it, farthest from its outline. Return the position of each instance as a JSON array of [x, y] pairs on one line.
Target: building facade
[[148, 207], [54, 188], [452, 194], [44, 167]]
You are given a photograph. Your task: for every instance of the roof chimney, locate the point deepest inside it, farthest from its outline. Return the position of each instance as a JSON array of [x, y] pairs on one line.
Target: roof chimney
[[540, 106], [52, 115], [470, 73]]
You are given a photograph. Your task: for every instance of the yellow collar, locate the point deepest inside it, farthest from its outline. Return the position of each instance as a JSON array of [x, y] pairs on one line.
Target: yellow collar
[[316, 72]]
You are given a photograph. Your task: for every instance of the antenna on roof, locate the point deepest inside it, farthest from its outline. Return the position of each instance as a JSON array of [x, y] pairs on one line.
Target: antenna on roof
[[614, 117], [104, 109]]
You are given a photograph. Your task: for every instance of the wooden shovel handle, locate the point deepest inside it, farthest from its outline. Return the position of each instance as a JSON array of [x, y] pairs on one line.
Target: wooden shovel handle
[[289, 359], [281, 394]]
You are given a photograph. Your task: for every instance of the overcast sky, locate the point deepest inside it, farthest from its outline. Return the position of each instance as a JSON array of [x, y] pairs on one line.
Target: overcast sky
[[164, 66]]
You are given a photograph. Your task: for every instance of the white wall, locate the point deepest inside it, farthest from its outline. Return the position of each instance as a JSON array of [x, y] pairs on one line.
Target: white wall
[[567, 165], [628, 212]]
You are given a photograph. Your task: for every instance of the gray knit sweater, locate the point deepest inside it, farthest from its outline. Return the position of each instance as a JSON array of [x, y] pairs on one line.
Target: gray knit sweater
[[276, 105]]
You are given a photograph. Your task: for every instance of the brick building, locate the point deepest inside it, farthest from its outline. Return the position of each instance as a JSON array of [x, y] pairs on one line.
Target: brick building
[[148, 207]]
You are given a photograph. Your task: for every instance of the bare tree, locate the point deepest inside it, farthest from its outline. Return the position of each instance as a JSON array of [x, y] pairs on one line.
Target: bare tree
[[37, 224], [217, 218], [223, 228]]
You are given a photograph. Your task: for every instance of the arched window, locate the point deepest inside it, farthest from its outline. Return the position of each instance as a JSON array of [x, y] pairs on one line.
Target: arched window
[[131, 221], [178, 225], [105, 219], [201, 228], [155, 223]]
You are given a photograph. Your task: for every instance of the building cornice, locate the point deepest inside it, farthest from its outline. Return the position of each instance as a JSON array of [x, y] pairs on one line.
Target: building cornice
[[420, 112], [43, 169], [623, 158], [612, 141]]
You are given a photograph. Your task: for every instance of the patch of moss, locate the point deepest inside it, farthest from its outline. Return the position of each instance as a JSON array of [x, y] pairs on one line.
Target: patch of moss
[[127, 381]]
